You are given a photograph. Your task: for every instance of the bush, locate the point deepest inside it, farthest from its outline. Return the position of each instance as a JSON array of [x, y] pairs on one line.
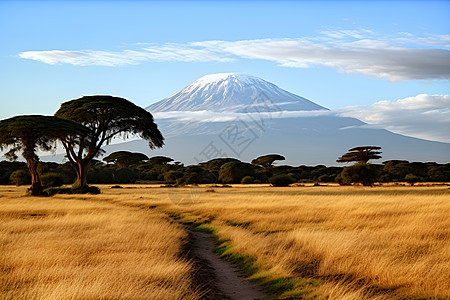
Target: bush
[[59, 190], [281, 180], [411, 179], [363, 173], [126, 176], [100, 176], [326, 178], [233, 172], [172, 176], [20, 177], [52, 179], [248, 180]]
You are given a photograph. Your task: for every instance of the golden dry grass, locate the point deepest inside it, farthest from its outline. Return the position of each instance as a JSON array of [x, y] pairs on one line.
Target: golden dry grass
[[356, 242], [86, 247], [362, 242]]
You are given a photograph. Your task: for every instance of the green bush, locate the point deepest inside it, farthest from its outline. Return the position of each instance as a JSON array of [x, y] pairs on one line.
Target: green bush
[[366, 174], [281, 180], [411, 179], [63, 190], [52, 179], [101, 176], [126, 176], [20, 177], [233, 172], [248, 180]]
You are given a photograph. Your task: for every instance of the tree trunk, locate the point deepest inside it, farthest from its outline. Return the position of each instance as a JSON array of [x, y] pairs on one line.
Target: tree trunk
[[81, 171], [36, 187]]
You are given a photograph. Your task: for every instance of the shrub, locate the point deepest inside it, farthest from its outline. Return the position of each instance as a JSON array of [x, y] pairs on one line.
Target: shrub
[[52, 179], [411, 179], [100, 176], [326, 178], [233, 172], [126, 176], [172, 176], [63, 190], [363, 173], [248, 180], [281, 180], [20, 177]]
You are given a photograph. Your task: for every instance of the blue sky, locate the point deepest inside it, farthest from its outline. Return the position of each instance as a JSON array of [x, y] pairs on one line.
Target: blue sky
[[345, 55]]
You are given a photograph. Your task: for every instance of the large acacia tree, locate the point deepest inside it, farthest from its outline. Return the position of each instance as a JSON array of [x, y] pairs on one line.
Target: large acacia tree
[[27, 134], [106, 117]]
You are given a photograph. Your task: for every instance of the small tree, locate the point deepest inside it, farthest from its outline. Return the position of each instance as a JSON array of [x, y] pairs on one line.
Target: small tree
[[106, 117], [266, 161], [28, 133], [366, 174], [233, 172], [123, 159], [362, 172], [411, 179], [360, 154], [20, 177], [281, 180]]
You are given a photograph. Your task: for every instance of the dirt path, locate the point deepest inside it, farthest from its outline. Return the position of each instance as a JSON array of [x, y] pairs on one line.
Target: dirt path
[[218, 277]]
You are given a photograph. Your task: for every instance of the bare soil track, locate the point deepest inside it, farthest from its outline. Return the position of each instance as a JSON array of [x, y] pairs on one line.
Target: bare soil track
[[218, 278]]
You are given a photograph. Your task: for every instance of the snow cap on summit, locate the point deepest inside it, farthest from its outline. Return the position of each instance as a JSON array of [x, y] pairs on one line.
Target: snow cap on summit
[[232, 92]]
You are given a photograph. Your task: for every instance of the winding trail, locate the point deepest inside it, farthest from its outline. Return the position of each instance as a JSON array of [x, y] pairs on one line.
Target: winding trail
[[217, 277]]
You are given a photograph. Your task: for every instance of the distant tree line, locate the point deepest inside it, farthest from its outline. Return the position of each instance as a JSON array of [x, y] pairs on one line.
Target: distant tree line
[[126, 167]]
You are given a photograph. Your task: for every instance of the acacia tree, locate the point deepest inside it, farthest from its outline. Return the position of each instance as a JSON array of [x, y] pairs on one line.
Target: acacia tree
[[123, 159], [360, 154], [160, 160], [266, 161], [106, 117], [32, 132], [361, 172]]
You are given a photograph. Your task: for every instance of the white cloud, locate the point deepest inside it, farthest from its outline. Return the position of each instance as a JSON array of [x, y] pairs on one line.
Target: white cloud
[[213, 116], [402, 57], [423, 116]]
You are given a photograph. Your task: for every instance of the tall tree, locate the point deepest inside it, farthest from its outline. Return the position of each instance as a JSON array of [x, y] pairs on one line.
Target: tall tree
[[360, 154], [123, 159], [106, 117], [266, 161], [32, 132]]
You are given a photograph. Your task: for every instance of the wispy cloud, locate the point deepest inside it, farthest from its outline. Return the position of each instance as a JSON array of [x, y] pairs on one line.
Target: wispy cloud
[[401, 57], [215, 116], [423, 116]]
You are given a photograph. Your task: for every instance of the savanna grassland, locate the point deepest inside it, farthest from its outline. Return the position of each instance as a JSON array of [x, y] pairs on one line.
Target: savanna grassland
[[87, 247], [303, 242]]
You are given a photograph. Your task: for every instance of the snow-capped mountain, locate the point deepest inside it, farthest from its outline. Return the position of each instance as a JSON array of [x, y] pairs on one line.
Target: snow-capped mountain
[[241, 116], [232, 92]]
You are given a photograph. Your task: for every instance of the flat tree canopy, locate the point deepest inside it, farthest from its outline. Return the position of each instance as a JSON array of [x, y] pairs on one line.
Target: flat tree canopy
[[32, 132], [160, 160], [266, 161], [124, 159], [105, 117], [361, 154]]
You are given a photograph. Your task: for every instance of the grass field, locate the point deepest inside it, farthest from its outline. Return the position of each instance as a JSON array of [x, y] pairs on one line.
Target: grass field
[[86, 247], [324, 242]]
